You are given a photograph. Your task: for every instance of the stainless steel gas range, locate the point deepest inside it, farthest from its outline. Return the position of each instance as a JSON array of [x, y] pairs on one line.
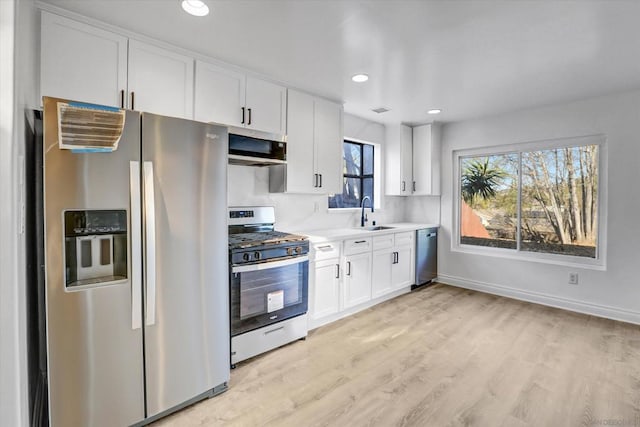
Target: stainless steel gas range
[[269, 276]]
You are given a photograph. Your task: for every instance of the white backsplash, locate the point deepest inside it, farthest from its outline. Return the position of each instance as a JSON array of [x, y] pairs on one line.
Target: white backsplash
[[423, 209], [249, 186]]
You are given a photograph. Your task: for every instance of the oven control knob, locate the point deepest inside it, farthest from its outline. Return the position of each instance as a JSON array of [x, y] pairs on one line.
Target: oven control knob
[[298, 249], [256, 255], [289, 251], [246, 257]]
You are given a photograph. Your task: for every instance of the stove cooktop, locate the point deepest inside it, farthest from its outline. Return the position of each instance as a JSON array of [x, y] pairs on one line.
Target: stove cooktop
[[250, 240]]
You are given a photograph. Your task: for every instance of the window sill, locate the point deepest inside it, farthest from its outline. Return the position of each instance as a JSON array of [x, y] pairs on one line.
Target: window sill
[[562, 260]]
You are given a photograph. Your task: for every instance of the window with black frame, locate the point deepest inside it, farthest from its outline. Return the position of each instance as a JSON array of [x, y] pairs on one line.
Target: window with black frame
[[357, 171]]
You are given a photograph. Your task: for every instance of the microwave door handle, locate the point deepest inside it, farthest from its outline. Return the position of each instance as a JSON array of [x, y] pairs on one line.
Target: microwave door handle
[[269, 264], [136, 245], [150, 236]]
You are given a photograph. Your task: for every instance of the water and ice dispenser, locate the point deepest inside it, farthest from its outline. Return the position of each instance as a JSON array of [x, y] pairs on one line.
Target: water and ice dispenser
[[95, 247]]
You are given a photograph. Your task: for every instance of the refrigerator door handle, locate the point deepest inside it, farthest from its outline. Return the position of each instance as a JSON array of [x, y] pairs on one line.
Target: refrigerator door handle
[[136, 245], [150, 240]]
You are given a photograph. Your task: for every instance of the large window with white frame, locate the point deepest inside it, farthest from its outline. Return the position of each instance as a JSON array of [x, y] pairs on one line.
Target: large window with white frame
[[538, 199]]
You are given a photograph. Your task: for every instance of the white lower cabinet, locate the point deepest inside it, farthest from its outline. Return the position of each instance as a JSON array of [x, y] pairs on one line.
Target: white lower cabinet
[[381, 278], [357, 279], [326, 292], [351, 275]]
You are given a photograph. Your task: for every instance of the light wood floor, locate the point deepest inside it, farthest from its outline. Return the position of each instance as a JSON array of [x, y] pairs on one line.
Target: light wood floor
[[441, 356]]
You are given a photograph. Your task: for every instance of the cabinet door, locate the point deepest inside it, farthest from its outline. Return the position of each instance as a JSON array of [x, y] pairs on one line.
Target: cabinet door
[[219, 95], [398, 163], [160, 80], [426, 160], [403, 271], [266, 104], [381, 281], [328, 146], [357, 279], [300, 173], [81, 63], [326, 292]]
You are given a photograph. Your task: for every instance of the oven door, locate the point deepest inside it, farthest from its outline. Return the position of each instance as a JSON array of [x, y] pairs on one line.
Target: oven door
[[268, 292]]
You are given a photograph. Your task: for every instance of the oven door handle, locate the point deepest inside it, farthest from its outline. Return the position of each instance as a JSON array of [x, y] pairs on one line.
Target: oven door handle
[[269, 264]]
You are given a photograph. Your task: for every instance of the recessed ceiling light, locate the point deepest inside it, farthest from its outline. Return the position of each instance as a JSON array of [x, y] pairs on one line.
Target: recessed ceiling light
[[360, 78], [434, 111], [195, 7]]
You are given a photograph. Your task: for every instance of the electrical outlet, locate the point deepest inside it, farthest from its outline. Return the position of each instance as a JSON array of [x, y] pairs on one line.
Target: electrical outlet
[[573, 278]]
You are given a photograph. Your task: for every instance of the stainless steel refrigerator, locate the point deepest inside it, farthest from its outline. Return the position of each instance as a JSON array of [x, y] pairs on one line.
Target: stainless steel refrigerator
[[136, 268]]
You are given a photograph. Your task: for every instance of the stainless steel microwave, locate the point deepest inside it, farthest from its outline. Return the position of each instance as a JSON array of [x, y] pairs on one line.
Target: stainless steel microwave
[[254, 149]]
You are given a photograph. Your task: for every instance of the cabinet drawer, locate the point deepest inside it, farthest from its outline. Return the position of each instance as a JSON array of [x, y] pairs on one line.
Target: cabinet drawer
[[357, 246], [326, 250], [383, 242], [404, 239]]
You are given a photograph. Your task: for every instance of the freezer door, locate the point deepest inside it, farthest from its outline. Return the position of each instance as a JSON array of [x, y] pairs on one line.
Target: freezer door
[[186, 258], [94, 333]]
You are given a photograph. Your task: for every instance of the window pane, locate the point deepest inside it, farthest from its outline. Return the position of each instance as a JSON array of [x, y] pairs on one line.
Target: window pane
[[489, 197], [559, 201], [350, 197], [351, 159], [367, 186], [368, 159]]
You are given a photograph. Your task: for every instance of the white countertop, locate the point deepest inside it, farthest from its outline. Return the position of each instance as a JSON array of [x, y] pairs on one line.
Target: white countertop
[[331, 234]]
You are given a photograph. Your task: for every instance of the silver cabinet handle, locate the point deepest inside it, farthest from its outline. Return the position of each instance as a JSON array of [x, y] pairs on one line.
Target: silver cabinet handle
[[324, 248], [150, 237], [274, 330], [136, 245], [348, 268], [337, 271]]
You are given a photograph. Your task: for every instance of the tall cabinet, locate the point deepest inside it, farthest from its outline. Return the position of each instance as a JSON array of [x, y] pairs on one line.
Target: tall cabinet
[[314, 147], [412, 160]]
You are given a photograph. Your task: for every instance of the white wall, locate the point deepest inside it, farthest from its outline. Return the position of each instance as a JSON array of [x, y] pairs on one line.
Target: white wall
[[612, 293], [250, 186], [18, 86]]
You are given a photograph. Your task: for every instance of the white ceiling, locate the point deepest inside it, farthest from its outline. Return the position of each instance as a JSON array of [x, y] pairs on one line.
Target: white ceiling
[[469, 58]]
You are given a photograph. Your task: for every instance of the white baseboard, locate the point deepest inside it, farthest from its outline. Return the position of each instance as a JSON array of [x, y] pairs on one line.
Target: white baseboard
[[539, 298]]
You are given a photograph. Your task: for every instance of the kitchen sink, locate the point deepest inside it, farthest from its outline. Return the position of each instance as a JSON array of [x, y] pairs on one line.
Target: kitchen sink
[[375, 228]]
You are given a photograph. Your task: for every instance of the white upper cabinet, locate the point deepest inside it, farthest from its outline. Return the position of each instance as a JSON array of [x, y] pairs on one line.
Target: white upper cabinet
[[219, 94], [229, 97], [328, 147], [426, 160], [314, 147], [88, 64], [300, 168], [398, 160], [81, 62], [160, 81], [266, 106], [412, 160]]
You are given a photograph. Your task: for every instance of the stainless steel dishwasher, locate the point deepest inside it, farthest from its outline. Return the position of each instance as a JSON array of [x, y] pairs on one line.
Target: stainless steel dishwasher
[[426, 256]]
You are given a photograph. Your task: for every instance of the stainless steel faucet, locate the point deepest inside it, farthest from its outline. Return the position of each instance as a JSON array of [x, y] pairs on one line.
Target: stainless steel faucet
[[362, 217]]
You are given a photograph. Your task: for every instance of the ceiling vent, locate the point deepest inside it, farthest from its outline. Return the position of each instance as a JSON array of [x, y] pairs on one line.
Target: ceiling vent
[[380, 110]]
